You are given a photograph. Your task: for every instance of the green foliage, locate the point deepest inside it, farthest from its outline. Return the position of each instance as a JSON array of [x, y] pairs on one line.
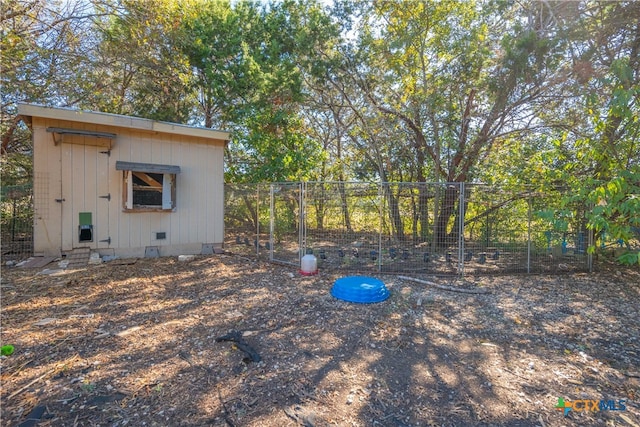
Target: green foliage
[[590, 141], [139, 66], [42, 44], [629, 258], [249, 61], [616, 206], [237, 66], [273, 149], [7, 350]]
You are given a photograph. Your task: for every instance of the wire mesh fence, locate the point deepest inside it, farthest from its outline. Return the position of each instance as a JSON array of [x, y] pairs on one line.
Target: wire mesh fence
[[16, 227], [430, 228]]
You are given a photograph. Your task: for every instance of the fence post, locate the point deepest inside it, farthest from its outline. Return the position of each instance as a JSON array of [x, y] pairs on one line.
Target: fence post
[[529, 235], [13, 221], [257, 236], [590, 243], [461, 230], [302, 221], [272, 222], [381, 200]]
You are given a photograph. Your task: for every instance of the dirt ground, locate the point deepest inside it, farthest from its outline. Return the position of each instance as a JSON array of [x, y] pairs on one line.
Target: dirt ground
[[133, 342]]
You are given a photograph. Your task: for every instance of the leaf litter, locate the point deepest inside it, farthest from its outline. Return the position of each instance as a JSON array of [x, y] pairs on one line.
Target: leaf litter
[[139, 344]]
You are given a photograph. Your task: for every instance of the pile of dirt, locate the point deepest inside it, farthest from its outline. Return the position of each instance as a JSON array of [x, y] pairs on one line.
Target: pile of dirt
[[139, 343]]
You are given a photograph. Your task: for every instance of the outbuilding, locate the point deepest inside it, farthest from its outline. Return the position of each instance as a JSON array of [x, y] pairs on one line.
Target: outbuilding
[[124, 186]]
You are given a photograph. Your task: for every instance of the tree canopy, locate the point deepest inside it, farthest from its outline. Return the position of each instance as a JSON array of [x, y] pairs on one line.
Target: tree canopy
[[536, 93]]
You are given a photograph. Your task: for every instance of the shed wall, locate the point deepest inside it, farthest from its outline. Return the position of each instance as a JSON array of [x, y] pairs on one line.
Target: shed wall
[[79, 171]]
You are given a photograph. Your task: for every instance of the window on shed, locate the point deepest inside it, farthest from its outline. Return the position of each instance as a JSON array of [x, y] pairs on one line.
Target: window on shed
[[153, 188]]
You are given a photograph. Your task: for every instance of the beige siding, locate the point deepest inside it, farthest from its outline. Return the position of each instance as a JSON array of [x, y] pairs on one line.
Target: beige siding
[[78, 172]]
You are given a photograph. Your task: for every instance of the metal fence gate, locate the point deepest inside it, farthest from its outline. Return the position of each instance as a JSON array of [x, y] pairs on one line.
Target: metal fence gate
[[429, 228]]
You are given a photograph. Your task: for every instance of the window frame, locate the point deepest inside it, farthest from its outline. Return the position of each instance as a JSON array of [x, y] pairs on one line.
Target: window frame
[[141, 171]]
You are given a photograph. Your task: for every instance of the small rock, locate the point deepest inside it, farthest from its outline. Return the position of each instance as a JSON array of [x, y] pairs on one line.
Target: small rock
[[531, 365], [234, 314], [186, 258], [94, 258]]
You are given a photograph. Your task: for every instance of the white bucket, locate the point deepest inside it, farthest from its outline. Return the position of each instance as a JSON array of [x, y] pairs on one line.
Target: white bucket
[[308, 265]]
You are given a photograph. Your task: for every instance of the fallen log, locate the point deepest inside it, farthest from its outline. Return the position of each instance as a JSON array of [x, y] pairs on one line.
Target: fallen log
[[445, 288]]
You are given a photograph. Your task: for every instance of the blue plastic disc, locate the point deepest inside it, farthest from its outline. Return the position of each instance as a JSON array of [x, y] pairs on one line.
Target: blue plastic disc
[[361, 289]]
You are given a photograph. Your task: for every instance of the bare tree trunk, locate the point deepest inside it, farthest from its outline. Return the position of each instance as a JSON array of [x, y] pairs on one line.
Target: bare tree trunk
[[394, 212], [423, 207], [253, 212], [319, 205], [447, 210], [344, 206]]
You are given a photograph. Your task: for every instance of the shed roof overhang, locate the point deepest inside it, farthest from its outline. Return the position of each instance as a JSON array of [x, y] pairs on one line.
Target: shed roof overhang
[[115, 120]]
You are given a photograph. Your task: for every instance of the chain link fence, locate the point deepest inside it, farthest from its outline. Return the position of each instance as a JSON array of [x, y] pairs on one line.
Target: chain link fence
[[428, 228]]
